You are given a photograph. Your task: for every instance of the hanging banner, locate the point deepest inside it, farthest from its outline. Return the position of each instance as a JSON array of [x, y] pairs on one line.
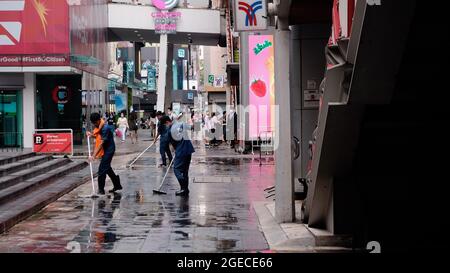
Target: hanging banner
[[250, 15], [261, 84], [34, 33]]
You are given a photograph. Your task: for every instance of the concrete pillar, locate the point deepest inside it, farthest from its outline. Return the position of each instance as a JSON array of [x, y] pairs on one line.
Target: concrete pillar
[[169, 78], [29, 109], [243, 119], [284, 198], [163, 48]]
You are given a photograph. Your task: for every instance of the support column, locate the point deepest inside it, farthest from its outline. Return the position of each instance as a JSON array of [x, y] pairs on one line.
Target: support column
[[163, 48], [284, 198], [169, 77], [29, 109]]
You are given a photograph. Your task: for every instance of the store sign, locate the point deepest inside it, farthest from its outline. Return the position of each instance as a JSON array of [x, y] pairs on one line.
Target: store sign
[[181, 53], [151, 79], [165, 4], [165, 21], [261, 84], [61, 95], [128, 72], [211, 79], [216, 81], [34, 33], [57, 141], [219, 81], [250, 15]]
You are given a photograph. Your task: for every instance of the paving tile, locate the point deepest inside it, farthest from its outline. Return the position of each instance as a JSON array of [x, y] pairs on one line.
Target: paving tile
[[216, 217]]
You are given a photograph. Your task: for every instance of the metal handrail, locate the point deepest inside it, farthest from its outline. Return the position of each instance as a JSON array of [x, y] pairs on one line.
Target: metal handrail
[[265, 141]]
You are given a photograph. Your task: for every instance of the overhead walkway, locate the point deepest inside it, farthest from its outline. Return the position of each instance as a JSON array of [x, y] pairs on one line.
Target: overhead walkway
[[133, 21]]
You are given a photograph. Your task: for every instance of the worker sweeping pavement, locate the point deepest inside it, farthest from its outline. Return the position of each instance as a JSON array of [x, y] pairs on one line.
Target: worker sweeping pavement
[[104, 150], [179, 139]]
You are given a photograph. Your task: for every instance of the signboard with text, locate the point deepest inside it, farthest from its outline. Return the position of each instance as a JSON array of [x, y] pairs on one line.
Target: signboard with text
[[57, 141], [250, 15]]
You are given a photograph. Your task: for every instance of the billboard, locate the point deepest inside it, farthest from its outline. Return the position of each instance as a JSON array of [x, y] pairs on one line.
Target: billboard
[[261, 84], [34, 33], [121, 100]]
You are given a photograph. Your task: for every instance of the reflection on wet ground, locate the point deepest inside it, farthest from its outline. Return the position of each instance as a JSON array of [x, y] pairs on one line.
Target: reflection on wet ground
[[217, 217]]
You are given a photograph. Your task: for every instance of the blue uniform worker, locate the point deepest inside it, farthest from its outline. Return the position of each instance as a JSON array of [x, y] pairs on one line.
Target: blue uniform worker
[[183, 153], [163, 131], [109, 148]]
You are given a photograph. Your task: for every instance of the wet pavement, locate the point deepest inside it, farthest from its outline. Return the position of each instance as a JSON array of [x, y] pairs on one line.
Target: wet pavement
[[216, 217]]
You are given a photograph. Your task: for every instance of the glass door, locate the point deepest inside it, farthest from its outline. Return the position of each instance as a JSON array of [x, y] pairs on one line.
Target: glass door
[[10, 118]]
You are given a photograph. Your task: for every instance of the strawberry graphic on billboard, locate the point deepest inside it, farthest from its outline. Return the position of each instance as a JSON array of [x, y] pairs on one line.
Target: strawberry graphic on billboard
[[259, 88], [34, 33]]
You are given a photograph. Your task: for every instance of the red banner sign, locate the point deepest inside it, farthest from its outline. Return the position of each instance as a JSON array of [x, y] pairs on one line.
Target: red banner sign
[[34, 60], [34, 33], [53, 143]]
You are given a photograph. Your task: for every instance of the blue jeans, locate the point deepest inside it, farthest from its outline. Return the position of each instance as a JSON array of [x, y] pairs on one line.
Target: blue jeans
[[181, 170]]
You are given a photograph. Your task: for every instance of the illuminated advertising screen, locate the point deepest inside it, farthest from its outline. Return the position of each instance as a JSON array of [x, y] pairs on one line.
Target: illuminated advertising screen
[[34, 33], [261, 84]]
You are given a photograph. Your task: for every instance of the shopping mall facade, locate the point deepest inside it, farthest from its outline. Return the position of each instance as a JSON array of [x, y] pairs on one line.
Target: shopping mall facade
[[54, 66], [62, 60]]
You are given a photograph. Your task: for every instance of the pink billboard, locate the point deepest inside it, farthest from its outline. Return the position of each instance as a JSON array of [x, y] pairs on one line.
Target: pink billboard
[[261, 85]]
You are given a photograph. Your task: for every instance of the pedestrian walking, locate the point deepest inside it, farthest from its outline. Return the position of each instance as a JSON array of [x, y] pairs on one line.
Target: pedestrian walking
[[178, 138], [132, 123], [122, 124], [162, 133], [224, 126], [207, 128], [213, 126], [110, 120], [153, 125], [104, 150]]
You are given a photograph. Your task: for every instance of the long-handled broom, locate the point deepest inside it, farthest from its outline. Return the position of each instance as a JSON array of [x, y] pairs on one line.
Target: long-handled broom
[[159, 191], [139, 156], [93, 195]]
